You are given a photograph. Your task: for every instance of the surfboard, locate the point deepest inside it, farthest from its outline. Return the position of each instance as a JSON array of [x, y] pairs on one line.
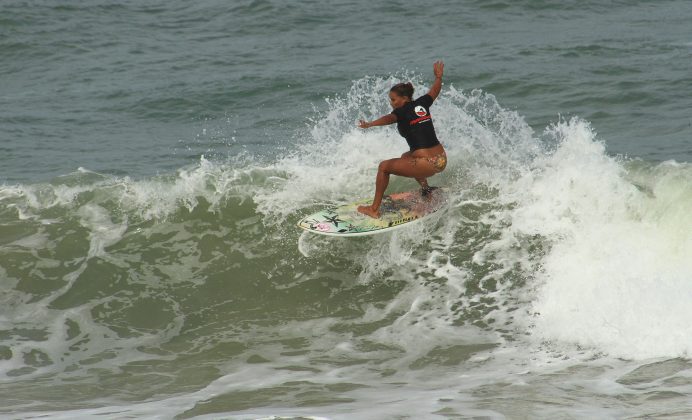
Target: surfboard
[[397, 210]]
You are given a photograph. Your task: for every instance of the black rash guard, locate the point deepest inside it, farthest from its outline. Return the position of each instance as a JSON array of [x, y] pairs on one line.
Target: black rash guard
[[415, 124]]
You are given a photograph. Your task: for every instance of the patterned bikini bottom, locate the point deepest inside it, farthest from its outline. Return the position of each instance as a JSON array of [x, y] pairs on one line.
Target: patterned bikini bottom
[[438, 161]]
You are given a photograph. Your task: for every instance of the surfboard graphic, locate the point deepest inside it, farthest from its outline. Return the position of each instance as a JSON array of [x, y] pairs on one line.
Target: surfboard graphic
[[397, 210]]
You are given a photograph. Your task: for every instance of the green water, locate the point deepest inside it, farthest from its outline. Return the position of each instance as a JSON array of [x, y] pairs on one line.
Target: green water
[[154, 160]]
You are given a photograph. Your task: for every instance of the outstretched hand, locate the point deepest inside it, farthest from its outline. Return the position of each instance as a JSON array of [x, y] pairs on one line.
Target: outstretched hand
[[363, 124], [438, 68]]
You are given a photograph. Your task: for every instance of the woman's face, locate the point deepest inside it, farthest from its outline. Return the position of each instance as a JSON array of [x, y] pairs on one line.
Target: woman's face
[[396, 100]]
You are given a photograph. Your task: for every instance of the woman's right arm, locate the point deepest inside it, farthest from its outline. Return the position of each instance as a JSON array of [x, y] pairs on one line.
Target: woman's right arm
[[386, 120]]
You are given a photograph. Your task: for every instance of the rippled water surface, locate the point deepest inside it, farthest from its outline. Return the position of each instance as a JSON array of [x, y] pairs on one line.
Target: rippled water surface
[[154, 159]]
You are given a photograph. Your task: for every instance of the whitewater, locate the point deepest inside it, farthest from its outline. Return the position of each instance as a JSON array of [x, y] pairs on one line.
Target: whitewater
[[554, 284]]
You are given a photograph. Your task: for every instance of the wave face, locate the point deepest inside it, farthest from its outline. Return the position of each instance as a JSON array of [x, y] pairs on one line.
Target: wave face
[[193, 293]]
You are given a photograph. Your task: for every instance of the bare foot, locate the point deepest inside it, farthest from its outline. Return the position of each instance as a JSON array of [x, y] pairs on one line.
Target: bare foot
[[426, 192], [368, 211]]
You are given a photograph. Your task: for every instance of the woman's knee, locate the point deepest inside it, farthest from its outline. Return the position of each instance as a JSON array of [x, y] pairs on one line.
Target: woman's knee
[[384, 166]]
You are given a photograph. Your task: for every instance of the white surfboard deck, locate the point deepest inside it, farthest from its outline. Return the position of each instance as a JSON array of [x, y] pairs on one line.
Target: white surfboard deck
[[397, 210]]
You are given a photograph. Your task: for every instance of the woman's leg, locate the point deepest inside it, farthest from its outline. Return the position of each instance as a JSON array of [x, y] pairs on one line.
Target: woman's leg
[[410, 167], [422, 181]]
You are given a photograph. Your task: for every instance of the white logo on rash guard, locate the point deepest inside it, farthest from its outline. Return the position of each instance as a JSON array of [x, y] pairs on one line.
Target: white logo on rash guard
[[420, 111]]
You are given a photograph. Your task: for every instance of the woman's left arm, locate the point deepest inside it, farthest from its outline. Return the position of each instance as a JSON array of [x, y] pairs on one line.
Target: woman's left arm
[[438, 69]]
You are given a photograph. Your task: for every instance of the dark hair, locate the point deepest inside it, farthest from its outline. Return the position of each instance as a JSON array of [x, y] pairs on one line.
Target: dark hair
[[403, 89]]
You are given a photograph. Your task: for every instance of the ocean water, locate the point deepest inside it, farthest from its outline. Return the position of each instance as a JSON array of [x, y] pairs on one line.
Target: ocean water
[[155, 157]]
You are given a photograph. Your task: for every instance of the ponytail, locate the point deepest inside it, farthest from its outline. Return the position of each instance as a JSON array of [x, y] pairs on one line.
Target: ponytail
[[403, 89]]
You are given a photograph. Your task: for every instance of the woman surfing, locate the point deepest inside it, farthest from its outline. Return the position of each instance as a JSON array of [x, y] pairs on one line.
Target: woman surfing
[[426, 156]]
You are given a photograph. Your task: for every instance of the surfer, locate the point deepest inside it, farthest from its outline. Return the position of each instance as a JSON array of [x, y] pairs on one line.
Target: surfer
[[426, 156]]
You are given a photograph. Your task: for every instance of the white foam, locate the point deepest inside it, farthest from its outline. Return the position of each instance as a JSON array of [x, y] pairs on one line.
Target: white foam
[[617, 274], [103, 232]]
